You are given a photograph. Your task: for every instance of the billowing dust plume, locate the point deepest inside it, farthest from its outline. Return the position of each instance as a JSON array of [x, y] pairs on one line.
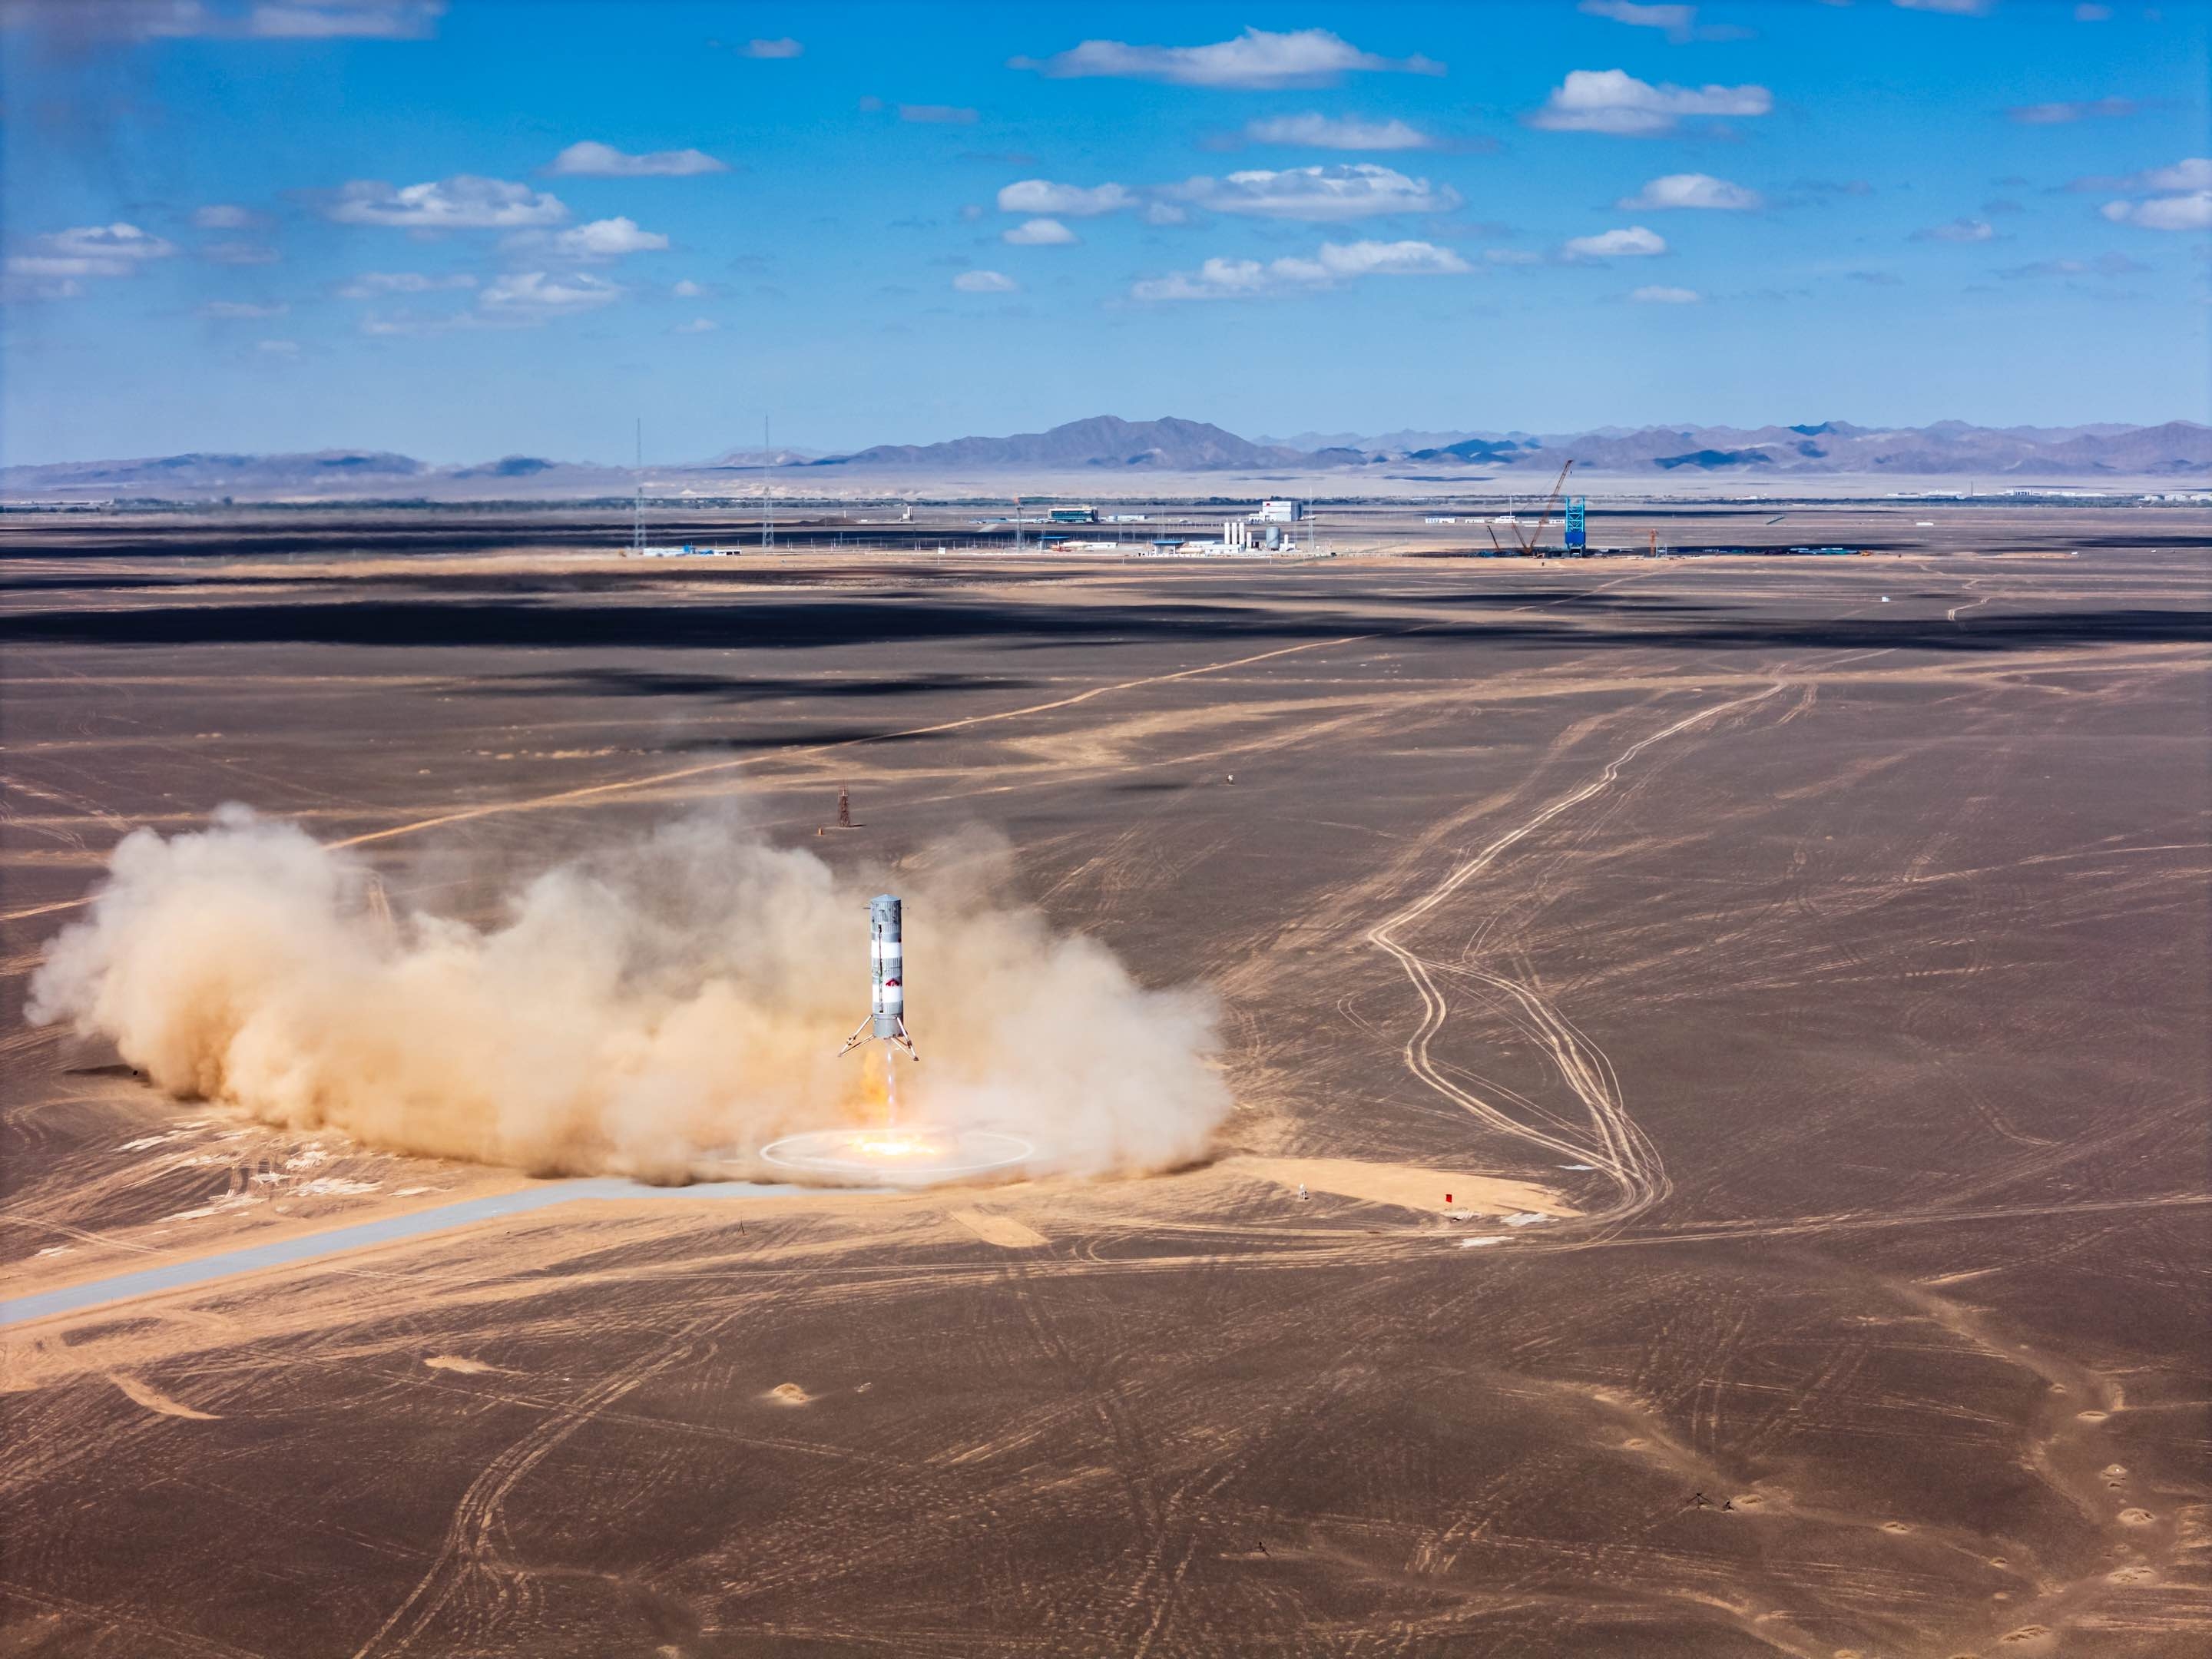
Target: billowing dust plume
[[632, 1011]]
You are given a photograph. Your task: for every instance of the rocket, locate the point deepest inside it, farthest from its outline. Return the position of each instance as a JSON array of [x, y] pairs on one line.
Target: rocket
[[886, 1019]]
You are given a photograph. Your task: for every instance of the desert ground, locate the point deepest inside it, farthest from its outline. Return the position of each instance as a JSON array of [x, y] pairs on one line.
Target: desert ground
[[1810, 954]]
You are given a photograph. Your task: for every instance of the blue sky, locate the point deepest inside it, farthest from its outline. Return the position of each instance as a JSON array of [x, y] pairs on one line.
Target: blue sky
[[487, 227]]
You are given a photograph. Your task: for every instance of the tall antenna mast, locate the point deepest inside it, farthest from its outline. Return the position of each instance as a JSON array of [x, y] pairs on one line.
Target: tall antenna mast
[[637, 498], [767, 495]]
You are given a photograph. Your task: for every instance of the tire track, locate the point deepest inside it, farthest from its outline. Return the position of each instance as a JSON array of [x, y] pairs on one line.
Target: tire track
[[1618, 1148], [470, 1556]]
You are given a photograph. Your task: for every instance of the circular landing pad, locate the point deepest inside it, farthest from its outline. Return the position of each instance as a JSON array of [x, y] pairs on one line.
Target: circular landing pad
[[919, 1156]]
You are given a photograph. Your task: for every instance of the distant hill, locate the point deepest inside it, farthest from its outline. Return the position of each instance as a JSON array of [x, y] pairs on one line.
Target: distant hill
[[320, 475], [1106, 446], [755, 459], [2178, 448], [216, 474], [1407, 439], [1103, 440]]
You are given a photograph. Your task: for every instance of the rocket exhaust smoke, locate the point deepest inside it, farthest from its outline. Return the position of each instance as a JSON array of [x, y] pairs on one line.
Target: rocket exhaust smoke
[[632, 1011]]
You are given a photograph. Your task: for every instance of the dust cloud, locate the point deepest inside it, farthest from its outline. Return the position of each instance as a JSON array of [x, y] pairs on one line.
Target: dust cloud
[[632, 1011]]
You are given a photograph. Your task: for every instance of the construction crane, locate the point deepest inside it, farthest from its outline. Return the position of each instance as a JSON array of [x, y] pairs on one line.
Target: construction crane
[[1537, 535]]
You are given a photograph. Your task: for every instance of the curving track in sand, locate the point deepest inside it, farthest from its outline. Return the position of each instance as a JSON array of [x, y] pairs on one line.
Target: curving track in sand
[[1610, 1141]]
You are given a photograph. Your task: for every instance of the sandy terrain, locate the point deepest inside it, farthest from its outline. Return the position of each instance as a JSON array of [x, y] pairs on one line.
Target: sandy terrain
[[1402, 1187], [1809, 955]]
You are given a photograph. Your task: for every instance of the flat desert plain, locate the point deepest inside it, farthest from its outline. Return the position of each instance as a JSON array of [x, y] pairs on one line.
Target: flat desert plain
[[1808, 955]]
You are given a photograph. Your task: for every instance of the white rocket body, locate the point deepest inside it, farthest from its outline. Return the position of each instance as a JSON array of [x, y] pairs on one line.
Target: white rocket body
[[886, 1020], [886, 952]]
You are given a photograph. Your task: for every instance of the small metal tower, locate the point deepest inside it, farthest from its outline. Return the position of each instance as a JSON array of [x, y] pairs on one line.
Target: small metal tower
[[768, 494], [637, 497]]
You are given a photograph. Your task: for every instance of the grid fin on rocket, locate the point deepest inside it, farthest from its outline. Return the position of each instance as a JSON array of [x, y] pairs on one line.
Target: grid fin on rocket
[[886, 1020]]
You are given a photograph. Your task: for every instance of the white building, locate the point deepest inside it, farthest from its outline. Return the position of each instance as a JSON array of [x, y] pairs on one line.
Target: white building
[[1279, 511]]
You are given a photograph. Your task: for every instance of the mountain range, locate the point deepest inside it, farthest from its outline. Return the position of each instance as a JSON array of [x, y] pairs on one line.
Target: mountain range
[[1168, 445], [1106, 446], [1838, 448]]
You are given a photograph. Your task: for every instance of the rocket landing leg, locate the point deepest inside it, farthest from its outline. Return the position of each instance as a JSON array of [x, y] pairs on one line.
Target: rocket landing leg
[[900, 1037]]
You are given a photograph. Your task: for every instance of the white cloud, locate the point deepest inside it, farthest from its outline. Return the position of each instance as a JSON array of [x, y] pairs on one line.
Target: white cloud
[[1675, 20], [938, 115], [588, 160], [240, 253], [687, 289], [270, 20], [2193, 174], [1042, 196], [1615, 102], [1680, 23], [1956, 8], [49, 267], [531, 294], [1217, 279], [1356, 190], [1164, 213], [2062, 114], [1318, 131], [1408, 258], [1693, 190], [17, 285], [224, 215], [406, 322], [277, 348], [784, 47], [2092, 13], [1255, 58], [1331, 264], [2191, 212], [227, 311], [2105, 264], [697, 325], [1633, 242], [115, 249], [985, 281], [375, 284], [1666, 296], [2190, 173], [1958, 230], [607, 239], [330, 19], [1510, 256], [525, 299], [116, 241], [1040, 233], [463, 202]]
